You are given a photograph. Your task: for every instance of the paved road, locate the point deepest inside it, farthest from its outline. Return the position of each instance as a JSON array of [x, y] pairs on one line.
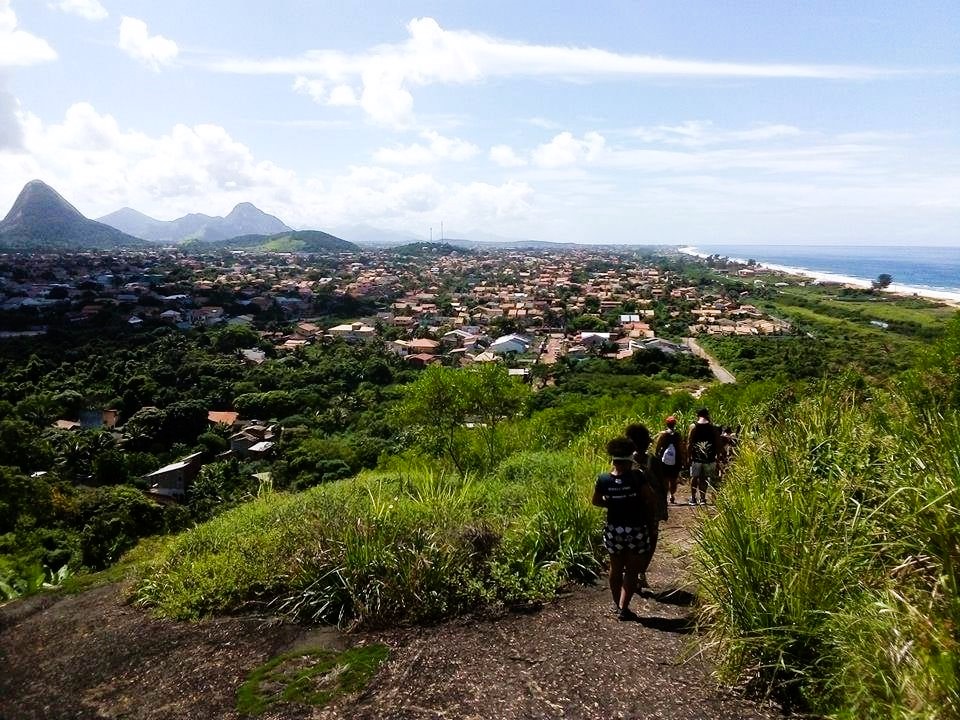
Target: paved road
[[719, 372]]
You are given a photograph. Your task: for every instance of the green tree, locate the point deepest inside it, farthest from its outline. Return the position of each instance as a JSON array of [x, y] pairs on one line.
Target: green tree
[[442, 401], [883, 281], [235, 337], [113, 519]]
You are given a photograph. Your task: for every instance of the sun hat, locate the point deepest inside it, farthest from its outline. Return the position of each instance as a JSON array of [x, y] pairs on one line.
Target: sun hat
[[671, 420]]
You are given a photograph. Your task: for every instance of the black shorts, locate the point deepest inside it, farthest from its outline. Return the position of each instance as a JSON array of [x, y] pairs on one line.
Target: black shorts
[[620, 539]]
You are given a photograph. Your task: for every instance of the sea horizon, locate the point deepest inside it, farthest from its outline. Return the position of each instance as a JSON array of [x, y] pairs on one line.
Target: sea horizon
[[932, 272]]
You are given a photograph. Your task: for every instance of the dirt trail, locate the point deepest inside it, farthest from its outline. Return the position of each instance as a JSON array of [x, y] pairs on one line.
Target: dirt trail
[[92, 657]]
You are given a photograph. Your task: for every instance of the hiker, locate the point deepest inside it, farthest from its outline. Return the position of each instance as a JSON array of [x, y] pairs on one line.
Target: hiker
[[668, 456], [640, 437], [728, 448], [631, 519], [703, 444]]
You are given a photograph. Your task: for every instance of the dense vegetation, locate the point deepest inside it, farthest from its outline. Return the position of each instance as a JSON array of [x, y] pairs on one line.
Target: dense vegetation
[[830, 570], [828, 574], [71, 498], [835, 331]]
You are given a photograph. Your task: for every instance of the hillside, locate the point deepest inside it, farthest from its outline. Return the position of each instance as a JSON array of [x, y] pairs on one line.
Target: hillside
[[429, 249], [244, 219], [306, 241], [570, 658], [42, 220]]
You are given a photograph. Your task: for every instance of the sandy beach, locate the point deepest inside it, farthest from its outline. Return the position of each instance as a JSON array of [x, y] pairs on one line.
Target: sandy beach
[[946, 296]]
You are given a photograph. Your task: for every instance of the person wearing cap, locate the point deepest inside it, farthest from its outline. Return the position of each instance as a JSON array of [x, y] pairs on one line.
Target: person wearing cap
[[630, 502], [703, 444], [668, 456]]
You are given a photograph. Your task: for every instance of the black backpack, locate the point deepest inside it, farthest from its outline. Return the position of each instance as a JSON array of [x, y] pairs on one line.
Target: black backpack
[[703, 448]]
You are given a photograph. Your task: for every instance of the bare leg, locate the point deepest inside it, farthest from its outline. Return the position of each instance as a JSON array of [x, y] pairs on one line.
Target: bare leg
[[617, 563], [629, 586]]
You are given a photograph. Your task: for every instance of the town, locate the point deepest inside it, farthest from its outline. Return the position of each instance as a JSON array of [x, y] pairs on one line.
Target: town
[[428, 304], [422, 304]]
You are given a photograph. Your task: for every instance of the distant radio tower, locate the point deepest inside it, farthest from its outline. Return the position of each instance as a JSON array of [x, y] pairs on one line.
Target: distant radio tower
[[441, 231], [431, 234]]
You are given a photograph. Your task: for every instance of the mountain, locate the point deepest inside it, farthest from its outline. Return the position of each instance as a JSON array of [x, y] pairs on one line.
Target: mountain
[[41, 219], [306, 241], [244, 219], [133, 222]]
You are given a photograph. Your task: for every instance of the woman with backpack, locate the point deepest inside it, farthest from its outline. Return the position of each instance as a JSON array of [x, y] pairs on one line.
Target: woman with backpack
[[668, 456]]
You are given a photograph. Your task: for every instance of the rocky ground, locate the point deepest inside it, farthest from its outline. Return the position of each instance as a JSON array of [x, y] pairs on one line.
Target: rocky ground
[[92, 656]]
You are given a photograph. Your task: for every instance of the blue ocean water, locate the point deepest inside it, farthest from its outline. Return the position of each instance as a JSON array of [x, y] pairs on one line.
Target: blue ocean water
[[935, 268]]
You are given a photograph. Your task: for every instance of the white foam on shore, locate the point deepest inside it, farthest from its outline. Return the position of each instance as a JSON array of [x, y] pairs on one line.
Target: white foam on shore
[[828, 277]]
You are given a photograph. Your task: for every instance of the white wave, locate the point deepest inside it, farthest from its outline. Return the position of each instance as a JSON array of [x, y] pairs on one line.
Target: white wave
[[829, 277]]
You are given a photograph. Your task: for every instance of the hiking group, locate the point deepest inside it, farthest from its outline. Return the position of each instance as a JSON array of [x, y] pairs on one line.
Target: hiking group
[[641, 485]]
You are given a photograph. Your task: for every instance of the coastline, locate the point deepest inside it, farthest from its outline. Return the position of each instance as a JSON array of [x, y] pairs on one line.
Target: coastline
[[951, 297]]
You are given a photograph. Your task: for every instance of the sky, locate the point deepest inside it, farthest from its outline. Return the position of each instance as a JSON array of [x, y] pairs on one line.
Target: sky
[[768, 122]]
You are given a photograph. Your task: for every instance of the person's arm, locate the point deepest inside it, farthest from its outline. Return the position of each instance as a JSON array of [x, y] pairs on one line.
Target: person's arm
[[650, 514], [598, 497]]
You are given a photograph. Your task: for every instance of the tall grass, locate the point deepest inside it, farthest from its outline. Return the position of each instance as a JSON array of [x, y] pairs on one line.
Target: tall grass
[[830, 569], [389, 547]]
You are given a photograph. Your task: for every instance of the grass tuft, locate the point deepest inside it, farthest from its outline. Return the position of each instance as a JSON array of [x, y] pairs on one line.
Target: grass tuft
[[310, 677]]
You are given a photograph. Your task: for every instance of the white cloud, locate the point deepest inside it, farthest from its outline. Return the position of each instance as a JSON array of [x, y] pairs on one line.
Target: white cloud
[[89, 157], [11, 132], [565, 150], [432, 55], [314, 89], [100, 167], [694, 133], [543, 123], [342, 96], [504, 156], [18, 48], [153, 50], [88, 9], [437, 148]]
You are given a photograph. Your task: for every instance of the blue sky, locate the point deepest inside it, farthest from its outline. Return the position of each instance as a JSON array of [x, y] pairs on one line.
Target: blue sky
[[637, 122]]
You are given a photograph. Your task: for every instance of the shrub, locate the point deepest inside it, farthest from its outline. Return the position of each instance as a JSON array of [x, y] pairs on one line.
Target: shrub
[[386, 547], [830, 569], [114, 518]]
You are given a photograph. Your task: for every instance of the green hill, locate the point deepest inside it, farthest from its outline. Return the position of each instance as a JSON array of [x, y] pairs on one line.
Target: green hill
[[305, 241], [429, 249]]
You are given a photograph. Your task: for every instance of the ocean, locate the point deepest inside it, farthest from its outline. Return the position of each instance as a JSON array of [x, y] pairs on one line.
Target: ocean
[[929, 271]]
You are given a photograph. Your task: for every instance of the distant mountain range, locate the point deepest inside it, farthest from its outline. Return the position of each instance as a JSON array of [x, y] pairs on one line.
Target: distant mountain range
[[244, 219], [41, 219]]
